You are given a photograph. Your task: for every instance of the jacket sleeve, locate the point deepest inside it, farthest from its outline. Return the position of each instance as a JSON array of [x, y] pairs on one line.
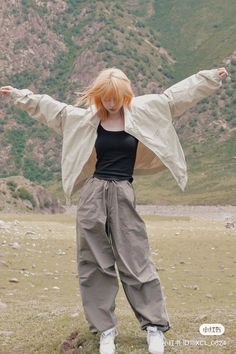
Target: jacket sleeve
[[186, 93], [43, 108]]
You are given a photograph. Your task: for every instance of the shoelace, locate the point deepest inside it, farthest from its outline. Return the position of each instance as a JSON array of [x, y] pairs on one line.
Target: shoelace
[[154, 332], [105, 337]]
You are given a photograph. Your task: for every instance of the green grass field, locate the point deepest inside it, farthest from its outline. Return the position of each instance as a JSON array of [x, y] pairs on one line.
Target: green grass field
[[196, 262], [195, 32]]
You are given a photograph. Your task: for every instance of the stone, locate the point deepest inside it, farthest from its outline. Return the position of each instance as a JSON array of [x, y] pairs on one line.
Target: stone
[[3, 305], [74, 315], [6, 333], [230, 225], [28, 233], [15, 245], [201, 318], [60, 253], [13, 280], [56, 288], [4, 225], [4, 264]]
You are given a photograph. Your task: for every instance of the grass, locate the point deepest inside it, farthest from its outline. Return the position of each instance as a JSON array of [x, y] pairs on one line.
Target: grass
[[211, 177], [189, 253], [197, 33]]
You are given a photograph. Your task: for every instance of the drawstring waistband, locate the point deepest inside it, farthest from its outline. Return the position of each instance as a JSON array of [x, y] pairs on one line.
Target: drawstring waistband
[[109, 188]]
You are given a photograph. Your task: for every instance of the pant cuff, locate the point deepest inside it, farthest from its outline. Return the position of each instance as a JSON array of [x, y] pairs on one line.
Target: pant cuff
[[162, 328]]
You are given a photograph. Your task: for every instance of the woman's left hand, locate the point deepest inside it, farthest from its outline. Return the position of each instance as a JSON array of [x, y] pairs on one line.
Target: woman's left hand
[[222, 72]]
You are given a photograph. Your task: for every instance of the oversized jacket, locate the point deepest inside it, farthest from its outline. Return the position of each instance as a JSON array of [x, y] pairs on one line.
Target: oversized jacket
[[149, 120]]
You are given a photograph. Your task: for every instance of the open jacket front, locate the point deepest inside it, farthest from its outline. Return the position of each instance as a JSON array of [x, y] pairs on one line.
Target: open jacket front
[[149, 120]]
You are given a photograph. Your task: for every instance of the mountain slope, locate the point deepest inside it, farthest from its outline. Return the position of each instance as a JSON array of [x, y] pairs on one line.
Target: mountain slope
[[199, 34], [58, 50], [57, 47]]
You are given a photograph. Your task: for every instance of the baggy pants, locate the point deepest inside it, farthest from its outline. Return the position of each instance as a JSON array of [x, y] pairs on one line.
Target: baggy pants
[[109, 232]]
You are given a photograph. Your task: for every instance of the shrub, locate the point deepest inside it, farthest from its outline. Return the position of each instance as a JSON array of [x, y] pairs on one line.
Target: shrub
[[23, 79], [12, 185], [23, 118], [47, 204], [140, 24], [201, 109], [17, 140], [192, 121], [24, 194], [229, 92], [233, 61], [215, 114], [205, 100]]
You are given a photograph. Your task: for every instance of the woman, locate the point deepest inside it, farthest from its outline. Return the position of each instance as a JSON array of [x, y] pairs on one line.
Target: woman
[[118, 135]]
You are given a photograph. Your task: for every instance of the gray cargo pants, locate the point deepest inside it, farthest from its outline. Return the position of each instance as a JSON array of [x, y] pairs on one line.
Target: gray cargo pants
[[109, 231]]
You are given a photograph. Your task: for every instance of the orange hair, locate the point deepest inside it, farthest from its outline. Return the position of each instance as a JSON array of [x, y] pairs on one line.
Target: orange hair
[[109, 83]]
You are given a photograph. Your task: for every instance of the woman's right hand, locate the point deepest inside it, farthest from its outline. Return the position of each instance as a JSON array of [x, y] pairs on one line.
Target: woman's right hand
[[5, 90]]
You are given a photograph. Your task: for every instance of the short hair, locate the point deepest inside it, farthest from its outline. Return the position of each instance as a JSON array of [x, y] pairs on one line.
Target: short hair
[[110, 82]]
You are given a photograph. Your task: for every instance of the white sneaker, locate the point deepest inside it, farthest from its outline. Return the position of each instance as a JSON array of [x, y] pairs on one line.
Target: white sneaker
[[155, 340], [107, 345]]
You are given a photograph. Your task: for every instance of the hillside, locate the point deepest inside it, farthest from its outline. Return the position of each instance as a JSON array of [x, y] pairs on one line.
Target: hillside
[[199, 34], [17, 194], [57, 50], [57, 47]]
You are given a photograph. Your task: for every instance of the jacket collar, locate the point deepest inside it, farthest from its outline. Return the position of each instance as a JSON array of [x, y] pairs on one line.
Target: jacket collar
[[95, 120]]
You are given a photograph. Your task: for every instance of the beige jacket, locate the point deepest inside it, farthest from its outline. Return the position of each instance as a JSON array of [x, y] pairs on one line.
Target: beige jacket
[[149, 120]]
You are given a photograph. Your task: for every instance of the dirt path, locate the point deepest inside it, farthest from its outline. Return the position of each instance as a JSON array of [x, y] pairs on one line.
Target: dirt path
[[210, 212]]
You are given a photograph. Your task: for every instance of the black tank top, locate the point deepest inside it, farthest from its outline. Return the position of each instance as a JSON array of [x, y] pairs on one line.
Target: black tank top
[[116, 154]]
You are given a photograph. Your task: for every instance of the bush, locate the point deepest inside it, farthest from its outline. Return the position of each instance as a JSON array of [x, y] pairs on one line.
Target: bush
[[193, 121], [23, 79], [31, 170], [21, 43], [17, 140], [12, 185], [215, 114], [201, 109], [47, 204], [233, 61], [229, 92], [23, 118], [140, 24], [24, 194], [34, 172]]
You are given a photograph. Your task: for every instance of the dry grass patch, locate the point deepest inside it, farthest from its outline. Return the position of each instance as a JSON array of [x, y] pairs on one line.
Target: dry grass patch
[[196, 263]]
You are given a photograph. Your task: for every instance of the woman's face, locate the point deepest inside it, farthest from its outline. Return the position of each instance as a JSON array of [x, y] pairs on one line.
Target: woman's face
[[110, 105]]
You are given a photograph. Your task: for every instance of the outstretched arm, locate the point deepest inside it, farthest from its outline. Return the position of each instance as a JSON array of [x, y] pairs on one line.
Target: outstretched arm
[[41, 107], [186, 93]]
